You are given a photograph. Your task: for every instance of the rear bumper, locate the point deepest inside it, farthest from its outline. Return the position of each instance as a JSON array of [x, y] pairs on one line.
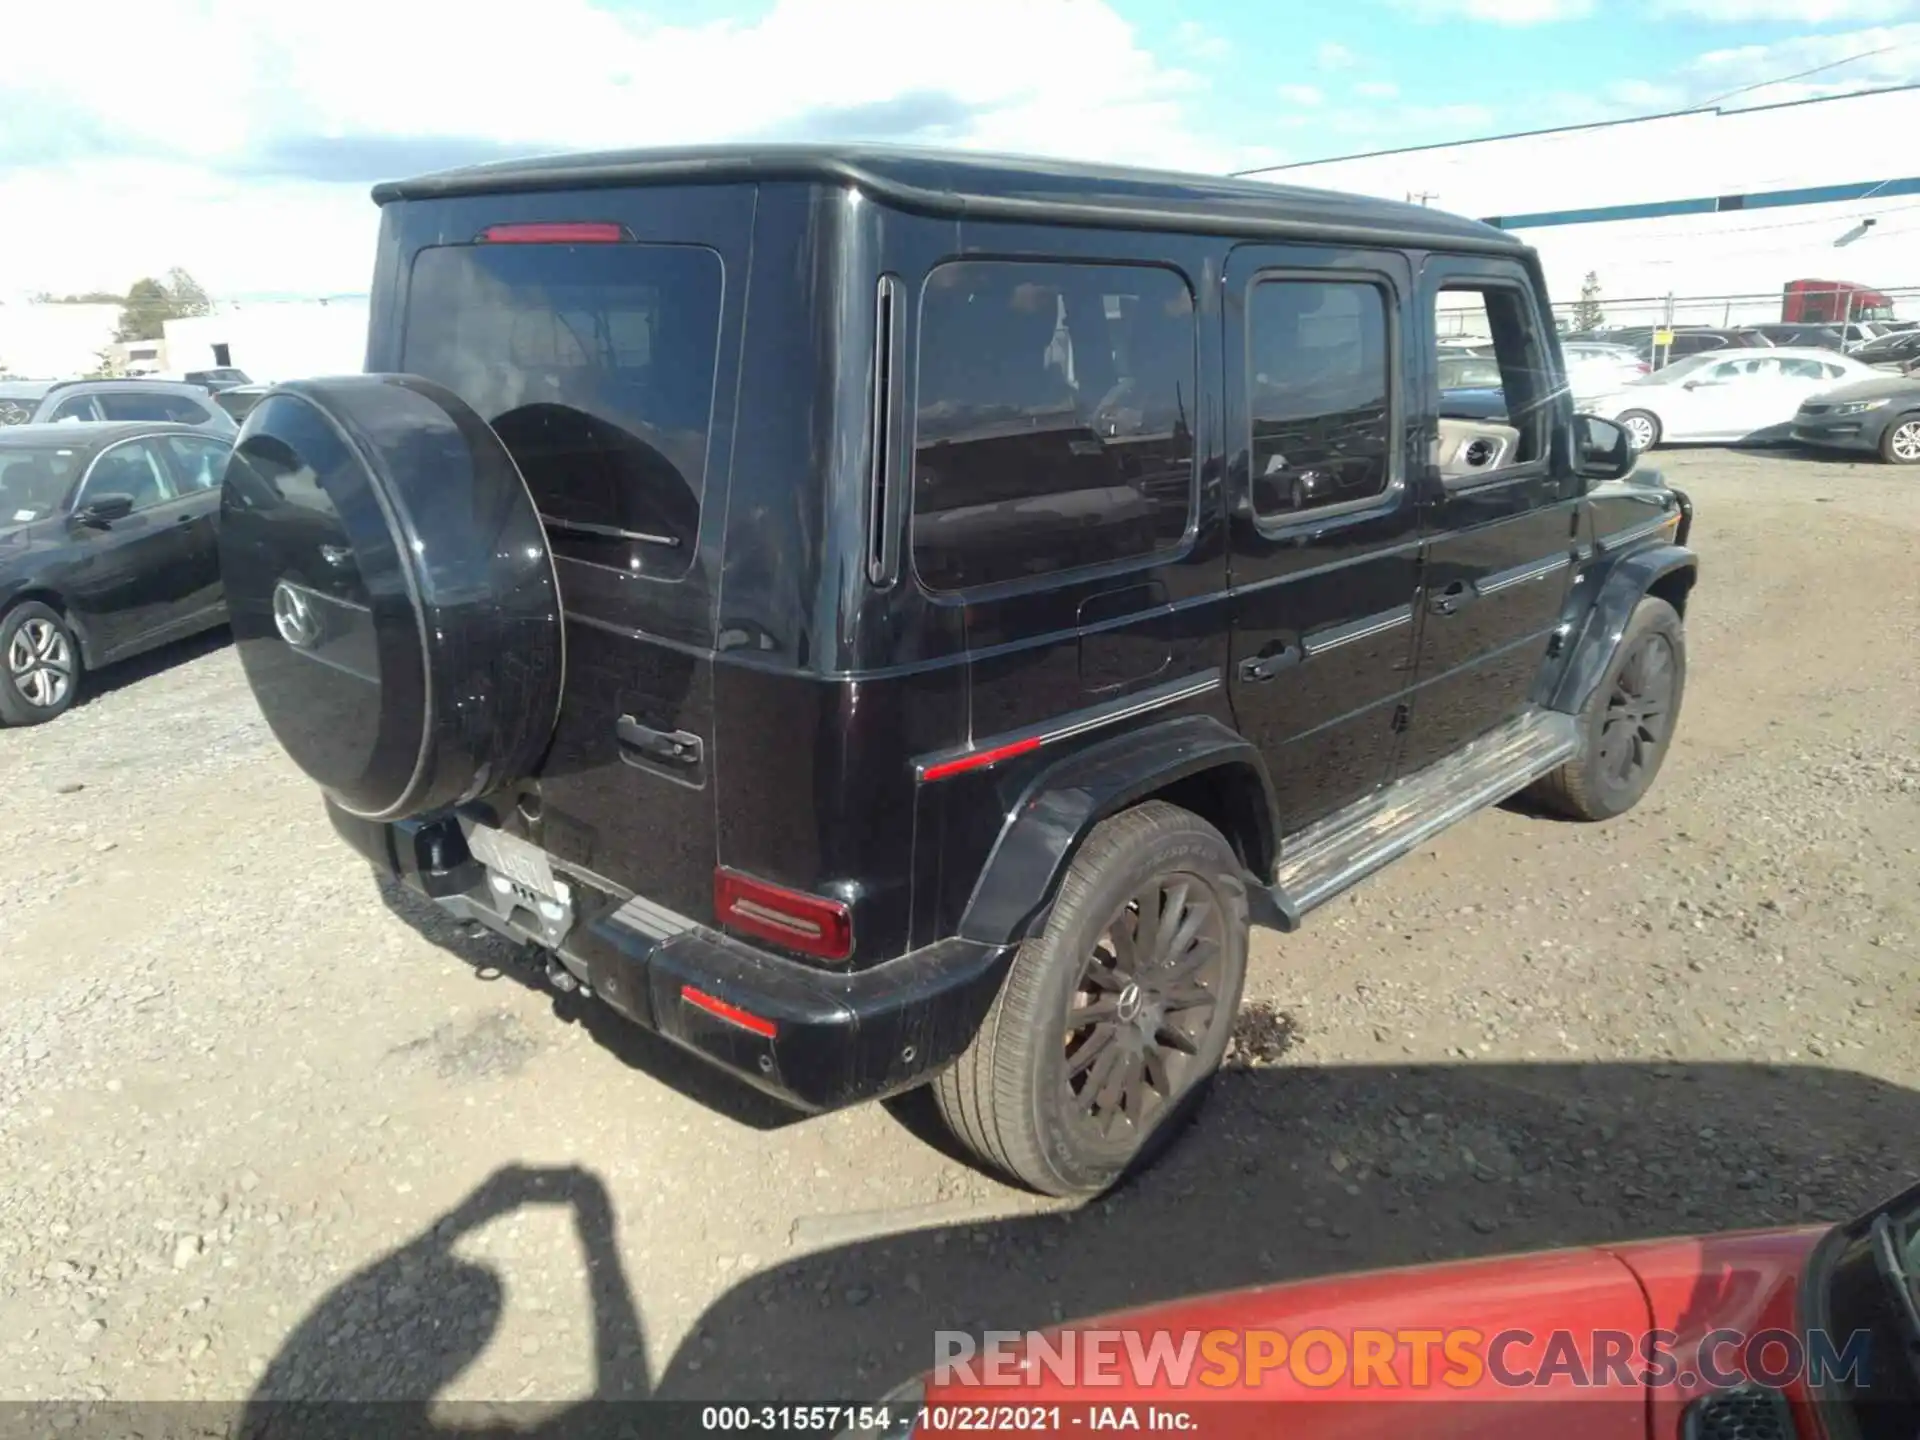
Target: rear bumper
[[814, 1038]]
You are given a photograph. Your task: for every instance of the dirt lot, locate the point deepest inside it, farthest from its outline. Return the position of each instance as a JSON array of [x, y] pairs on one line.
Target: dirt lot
[[263, 1135]]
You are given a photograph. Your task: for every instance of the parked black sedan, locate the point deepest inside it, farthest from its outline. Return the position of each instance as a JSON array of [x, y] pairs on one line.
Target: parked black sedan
[[1882, 416], [106, 549]]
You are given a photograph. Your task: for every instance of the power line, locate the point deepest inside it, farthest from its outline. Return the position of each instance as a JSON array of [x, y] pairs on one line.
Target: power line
[[1581, 131]]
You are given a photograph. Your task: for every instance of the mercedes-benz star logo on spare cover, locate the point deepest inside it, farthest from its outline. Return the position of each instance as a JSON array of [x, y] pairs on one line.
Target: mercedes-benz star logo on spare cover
[[293, 616]]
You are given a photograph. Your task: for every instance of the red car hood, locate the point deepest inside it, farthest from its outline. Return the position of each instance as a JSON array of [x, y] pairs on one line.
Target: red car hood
[[1502, 1339]]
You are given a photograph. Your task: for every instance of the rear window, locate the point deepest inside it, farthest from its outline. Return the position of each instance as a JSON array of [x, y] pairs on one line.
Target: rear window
[[595, 364], [35, 480], [176, 409]]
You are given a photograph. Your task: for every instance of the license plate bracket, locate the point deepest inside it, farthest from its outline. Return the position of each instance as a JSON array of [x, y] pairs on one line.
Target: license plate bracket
[[509, 856]]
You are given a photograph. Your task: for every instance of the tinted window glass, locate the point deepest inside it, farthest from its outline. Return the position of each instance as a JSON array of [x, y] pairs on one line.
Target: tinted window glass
[[595, 363], [202, 462], [34, 481], [1055, 424], [1317, 393], [128, 469], [79, 408], [175, 408]]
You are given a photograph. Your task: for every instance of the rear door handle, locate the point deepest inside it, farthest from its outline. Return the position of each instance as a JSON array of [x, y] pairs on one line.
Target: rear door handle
[[677, 747], [1452, 598], [1265, 666]]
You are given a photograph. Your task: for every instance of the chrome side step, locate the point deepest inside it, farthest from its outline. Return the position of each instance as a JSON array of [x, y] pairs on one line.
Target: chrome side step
[[1327, 858]]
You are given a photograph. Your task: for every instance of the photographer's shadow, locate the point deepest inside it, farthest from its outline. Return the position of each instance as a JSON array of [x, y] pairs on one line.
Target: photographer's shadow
[[370, 1359], [1291, 1173]]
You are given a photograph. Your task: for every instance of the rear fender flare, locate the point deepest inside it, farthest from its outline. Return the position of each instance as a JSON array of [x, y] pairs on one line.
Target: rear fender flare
[[1626, 583], [1065, 801]]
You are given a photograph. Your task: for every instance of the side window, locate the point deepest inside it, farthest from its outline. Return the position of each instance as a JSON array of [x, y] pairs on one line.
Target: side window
[[1317, 388], [79, 408], [1834, 372], [1054, 427], [174, 408], [203, 463], [1505, 316], [128, 469], [1797, 368], [1726, 372]]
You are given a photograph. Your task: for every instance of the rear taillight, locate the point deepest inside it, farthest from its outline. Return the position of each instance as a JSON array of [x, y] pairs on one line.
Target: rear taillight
[[556, 232], [1644, 368], [809, 924]]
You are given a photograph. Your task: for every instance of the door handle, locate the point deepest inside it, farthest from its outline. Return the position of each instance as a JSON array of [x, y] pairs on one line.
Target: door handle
[[663, 747], [1267, 665], [1452, 598]]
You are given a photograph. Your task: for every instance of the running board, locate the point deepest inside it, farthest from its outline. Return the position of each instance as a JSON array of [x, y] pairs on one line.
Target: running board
[[1337, 853]]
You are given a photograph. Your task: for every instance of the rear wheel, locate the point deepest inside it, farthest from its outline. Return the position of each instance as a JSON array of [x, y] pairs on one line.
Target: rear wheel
[[1115, 1016], [41, 674], [1643, 429], [1627, 724], [1900, 444]]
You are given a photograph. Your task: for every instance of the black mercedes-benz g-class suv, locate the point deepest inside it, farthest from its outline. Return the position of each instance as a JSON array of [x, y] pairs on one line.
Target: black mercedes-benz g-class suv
[[879, 617]]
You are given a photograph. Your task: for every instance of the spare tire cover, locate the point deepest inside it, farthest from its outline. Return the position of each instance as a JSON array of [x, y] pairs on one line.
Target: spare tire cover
[[392, 595]]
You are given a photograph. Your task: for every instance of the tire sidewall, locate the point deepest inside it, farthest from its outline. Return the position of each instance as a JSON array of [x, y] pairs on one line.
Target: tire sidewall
[[1062, 950], [15, 709], [1651, 616], [1656, 430], [1886, 439]]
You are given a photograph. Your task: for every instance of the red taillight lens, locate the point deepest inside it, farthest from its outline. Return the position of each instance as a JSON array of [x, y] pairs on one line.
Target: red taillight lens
[[1644, 368], [548, 232], [807, 923]]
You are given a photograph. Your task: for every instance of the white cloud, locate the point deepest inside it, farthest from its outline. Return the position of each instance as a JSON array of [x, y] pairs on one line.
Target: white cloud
[[1500, 12], [1332, 55], [1377, 90], [1791, 12], [1201, 43], [243, 136], [1301, 94], [1841, 63]]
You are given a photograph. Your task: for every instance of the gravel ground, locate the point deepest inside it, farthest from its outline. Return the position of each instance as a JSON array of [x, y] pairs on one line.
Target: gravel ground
[[266, 1136]]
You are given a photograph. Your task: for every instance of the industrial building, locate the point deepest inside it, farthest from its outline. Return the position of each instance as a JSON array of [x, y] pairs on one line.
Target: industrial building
[[1717, 208]]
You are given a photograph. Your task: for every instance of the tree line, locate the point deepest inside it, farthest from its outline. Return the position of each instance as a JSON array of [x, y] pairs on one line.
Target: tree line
[[147, 305]]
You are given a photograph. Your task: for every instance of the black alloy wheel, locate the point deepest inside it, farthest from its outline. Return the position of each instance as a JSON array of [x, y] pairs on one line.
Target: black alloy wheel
[[1146, 1001]]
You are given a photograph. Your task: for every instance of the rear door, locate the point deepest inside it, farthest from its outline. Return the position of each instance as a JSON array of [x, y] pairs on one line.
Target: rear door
[[599, 334], [198, 465], [1325, 546], [1499, 504]]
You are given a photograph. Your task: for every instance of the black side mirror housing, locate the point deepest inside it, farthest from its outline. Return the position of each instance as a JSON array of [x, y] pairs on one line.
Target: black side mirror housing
[[101, 511], [1601, 450]]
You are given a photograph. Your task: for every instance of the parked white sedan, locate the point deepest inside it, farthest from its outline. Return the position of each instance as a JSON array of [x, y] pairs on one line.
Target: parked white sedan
[[1749, 395]]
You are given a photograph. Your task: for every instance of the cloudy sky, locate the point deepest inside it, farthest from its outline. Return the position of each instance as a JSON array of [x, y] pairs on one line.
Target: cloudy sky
[[237, 138]]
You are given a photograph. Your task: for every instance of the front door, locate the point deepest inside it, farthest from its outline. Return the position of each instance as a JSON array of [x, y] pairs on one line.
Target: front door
[[1498, 505], [137, 575], [1325, 540]]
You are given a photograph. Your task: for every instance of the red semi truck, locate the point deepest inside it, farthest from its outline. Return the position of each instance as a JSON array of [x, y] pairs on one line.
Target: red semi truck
[[1832, 302]]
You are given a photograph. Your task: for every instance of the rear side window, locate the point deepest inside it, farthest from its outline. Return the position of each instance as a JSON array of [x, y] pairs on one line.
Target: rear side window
[[595, 364], [79, 408], [176, 409], [202, 462], [1317, 393], [1054, 428]]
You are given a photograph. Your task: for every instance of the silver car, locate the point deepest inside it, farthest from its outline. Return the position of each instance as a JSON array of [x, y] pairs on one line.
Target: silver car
[[169, 401], [1723, 396]]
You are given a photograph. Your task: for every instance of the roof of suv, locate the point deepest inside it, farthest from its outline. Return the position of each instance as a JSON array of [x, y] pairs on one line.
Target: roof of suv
[[149, 387], [92, 434], [987, 187]]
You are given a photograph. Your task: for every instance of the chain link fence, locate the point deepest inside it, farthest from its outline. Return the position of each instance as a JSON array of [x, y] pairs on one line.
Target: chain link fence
[[1732, 311]]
